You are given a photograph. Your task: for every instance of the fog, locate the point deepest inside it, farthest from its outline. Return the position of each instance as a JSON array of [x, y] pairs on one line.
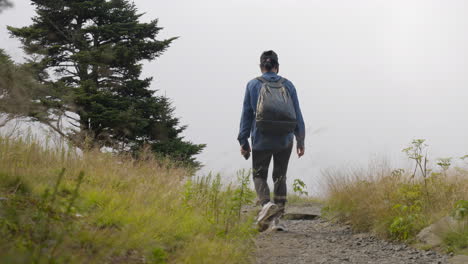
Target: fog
[[371, 75]]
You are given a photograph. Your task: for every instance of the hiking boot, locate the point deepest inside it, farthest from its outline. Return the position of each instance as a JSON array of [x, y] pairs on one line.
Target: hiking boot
[[277, 225], [266, 215]]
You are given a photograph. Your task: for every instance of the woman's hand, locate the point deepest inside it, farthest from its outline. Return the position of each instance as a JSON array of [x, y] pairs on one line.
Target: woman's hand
[[245, 152], [300, 151]]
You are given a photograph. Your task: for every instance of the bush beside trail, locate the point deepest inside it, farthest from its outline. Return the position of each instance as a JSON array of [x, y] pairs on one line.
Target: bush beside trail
[[397, 205], [57, 206]]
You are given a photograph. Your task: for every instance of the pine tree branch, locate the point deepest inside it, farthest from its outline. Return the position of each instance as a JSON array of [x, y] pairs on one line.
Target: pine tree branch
[[72, 118]]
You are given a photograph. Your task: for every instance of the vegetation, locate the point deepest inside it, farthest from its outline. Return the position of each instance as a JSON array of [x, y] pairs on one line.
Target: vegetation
[[60, 206], [18, 88], [300, 187], [300, 195], [87, 57], [301, 200], [457, 239], [63, 204], [396, 204]]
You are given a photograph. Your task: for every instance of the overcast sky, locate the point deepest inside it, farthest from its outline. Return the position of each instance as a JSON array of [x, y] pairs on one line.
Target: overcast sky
[[371, 75]]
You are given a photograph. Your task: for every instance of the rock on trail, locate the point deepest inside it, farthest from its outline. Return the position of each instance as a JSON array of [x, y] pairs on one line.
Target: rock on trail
[[319, 241]]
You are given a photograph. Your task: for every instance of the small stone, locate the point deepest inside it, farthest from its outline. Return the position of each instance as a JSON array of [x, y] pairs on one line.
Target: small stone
[[398, 248]]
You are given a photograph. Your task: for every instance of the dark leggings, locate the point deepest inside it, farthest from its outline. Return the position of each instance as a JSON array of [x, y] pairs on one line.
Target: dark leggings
[[261, 161]]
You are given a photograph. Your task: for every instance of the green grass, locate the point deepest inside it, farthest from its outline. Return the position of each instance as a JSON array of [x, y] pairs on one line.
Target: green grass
[[457, 241], [118, 211], [397, 206]]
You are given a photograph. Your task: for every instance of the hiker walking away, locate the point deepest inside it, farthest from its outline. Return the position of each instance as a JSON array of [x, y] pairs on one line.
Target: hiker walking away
[[271, 116]]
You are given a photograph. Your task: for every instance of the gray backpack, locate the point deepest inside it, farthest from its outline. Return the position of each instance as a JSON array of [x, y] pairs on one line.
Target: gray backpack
[[275, 109]]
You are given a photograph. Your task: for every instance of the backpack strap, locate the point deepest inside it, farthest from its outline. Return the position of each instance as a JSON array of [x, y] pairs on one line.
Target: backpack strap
[[274, 84], [263, 80], [280, 82]]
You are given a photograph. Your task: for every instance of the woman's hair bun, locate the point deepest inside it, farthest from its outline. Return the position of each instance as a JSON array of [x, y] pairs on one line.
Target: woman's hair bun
[[269, 60]]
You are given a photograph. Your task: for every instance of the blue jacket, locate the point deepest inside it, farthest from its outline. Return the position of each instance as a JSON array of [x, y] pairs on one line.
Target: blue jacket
[[248, 127]]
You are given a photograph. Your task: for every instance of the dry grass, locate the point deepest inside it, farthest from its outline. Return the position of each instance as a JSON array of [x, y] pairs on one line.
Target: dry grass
[[126, 211], [301, 200], [391, 203]]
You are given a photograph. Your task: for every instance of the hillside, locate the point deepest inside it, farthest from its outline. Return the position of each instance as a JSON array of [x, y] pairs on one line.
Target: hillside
[[58, 206]]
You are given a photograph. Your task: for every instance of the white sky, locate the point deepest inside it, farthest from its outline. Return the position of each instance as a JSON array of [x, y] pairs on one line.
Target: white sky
[[371, 74]]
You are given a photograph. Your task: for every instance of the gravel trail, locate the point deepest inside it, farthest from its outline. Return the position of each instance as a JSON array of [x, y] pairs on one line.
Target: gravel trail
[[320, 241]]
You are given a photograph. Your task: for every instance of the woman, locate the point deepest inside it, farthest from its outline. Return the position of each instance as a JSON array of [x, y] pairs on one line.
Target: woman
[[266, 141]]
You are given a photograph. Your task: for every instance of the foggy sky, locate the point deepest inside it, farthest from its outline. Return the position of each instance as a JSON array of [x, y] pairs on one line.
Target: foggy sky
[[371, 75]]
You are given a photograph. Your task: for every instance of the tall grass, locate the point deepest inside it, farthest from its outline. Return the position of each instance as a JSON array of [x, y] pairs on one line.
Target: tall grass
[[396, 203], [57, 206]]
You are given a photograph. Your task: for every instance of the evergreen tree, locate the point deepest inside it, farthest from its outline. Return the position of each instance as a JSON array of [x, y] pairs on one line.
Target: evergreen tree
[[88, 53]]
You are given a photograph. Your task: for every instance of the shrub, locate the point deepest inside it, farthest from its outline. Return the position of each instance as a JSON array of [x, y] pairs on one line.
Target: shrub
[[393, 203], [300, 187], [456, 238]]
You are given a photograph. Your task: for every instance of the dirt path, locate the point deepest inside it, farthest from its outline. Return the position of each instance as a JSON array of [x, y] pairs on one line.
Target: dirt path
[[320, 241]]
